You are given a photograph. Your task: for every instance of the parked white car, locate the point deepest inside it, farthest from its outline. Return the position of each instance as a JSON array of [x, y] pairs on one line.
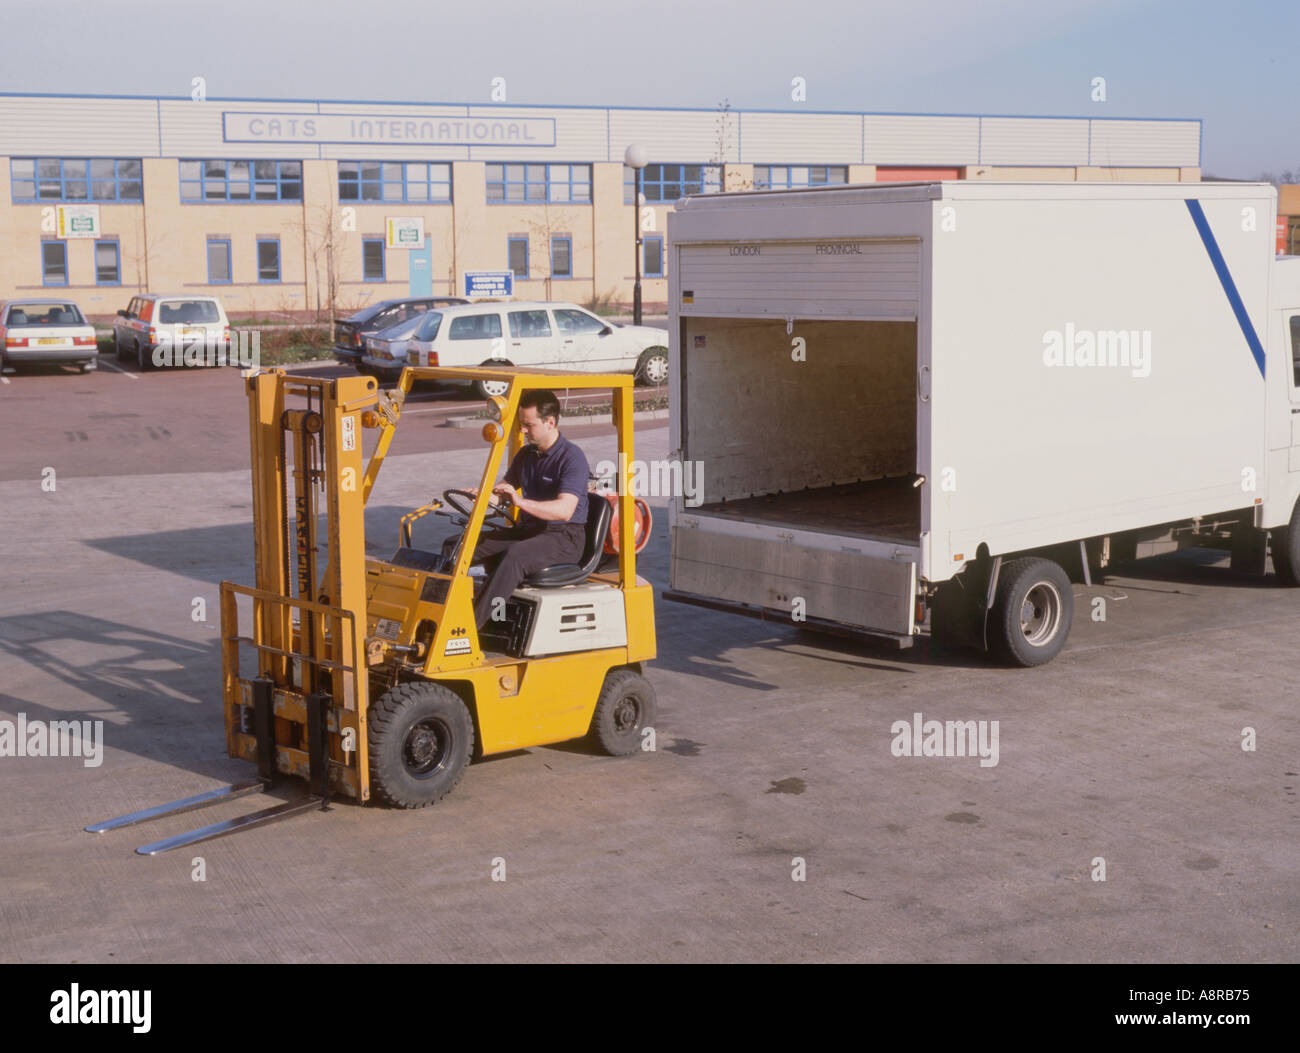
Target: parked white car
[[550, 335], [156, 330], [46, 331]]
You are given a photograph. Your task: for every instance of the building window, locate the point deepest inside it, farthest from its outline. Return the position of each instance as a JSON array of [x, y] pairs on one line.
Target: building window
[[416, 181], [219, 261], [54, 263], [108, 263], [652, 263], [372, 259], [667, 183], [513, 183], [562, 256], [75, 179], [241, 181], [784, 177], [517, 254], [268, 259]]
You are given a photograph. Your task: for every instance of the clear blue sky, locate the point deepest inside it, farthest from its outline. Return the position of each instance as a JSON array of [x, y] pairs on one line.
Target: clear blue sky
[[1236, 65]]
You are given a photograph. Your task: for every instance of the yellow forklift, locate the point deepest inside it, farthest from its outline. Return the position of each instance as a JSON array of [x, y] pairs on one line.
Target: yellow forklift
[[367, 677]]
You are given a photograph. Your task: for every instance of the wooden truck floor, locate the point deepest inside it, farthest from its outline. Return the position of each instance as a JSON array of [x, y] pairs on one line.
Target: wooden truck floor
[[881, 510]]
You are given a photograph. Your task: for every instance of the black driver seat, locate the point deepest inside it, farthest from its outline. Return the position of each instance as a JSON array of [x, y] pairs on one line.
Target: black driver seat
[[599, 514]]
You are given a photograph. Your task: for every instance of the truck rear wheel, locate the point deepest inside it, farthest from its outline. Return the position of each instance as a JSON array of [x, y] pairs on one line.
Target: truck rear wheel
[[1284, 543], [421, 737], [625, 708], [1032, 612]]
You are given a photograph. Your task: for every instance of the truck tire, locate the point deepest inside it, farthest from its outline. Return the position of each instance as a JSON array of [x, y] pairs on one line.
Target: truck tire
[[1284, 543], [485, 389], [625, 708], [1032, 612], [421, 737], [652, 367]]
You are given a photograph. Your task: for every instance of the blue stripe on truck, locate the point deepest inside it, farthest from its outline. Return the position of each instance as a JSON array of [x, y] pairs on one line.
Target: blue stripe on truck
[[1225, 279]]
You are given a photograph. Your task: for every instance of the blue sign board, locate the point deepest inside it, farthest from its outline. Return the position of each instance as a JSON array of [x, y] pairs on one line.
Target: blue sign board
[[489, 284]]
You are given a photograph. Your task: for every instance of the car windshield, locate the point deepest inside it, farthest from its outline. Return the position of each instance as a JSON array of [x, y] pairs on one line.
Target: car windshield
[[429, 326], [402, 330], [44, 314], [171, 312]]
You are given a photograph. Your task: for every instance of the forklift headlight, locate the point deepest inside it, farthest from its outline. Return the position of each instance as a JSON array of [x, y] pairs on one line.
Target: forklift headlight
[[492, 431], [496, 407]]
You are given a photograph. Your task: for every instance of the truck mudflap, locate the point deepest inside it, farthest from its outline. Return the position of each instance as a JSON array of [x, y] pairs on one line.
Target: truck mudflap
[[790, 577]]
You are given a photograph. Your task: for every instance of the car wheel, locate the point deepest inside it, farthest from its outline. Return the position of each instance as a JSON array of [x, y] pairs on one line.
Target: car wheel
[[486, 389], [117, 346], [652, 367], [88, 367], [1032, 612], [625, 708], [142, 359], [421, 737]]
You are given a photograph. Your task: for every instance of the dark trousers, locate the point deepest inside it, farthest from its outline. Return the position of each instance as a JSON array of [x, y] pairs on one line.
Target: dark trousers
[[511, 555]]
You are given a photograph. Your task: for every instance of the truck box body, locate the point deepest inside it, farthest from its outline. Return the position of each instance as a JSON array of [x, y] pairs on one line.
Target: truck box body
[[881, 382]]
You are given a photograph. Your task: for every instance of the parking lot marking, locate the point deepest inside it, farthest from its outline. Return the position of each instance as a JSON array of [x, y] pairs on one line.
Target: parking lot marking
[[119, 369]]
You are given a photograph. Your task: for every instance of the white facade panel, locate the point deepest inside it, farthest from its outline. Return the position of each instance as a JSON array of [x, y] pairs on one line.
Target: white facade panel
[[579, 135], [1146, 143], [813, 139], [82, 127], [196, 129], [673, 136], [1033, 141], [902, 140]]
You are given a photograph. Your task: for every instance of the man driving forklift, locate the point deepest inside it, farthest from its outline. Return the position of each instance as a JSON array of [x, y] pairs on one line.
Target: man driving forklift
[[552, 474]]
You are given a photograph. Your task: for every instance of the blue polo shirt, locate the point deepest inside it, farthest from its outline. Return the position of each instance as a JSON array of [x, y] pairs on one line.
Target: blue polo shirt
[[541, 476]]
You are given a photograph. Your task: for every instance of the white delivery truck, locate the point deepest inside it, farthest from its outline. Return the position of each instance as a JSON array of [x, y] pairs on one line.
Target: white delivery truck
[[940, 402]]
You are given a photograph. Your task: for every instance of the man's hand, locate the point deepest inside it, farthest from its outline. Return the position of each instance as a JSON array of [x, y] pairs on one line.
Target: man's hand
[[504, 492]]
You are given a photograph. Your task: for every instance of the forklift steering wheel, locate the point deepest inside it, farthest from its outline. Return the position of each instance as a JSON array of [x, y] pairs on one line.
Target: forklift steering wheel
[[495, 511]]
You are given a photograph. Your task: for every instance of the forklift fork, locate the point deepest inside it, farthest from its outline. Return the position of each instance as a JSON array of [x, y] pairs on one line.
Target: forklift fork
[[264, 729]]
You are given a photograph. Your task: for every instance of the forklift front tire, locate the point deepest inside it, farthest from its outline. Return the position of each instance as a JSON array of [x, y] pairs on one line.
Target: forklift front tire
[[421, 737], [626, 707]]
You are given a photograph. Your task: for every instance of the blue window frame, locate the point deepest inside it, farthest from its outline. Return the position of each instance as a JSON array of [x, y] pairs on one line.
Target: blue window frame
[[517, 255], [562, 256], [54, 263], [268, 259], [414, 181], [108, 262], [667, 183], [521, 183], [372, 259], [652, 255], [784, 177], [219, 261], [75, 179], [237, 181]]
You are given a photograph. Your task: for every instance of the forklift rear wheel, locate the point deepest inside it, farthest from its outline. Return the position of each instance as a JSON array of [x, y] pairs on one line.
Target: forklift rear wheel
[[1032, 612], [625, 708], [421, 737]]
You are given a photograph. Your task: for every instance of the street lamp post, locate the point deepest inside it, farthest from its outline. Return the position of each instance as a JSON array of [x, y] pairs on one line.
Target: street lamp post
[[635, 158]]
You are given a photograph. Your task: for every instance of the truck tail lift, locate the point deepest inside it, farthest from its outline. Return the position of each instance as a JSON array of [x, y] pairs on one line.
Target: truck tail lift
[[326, 627]]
